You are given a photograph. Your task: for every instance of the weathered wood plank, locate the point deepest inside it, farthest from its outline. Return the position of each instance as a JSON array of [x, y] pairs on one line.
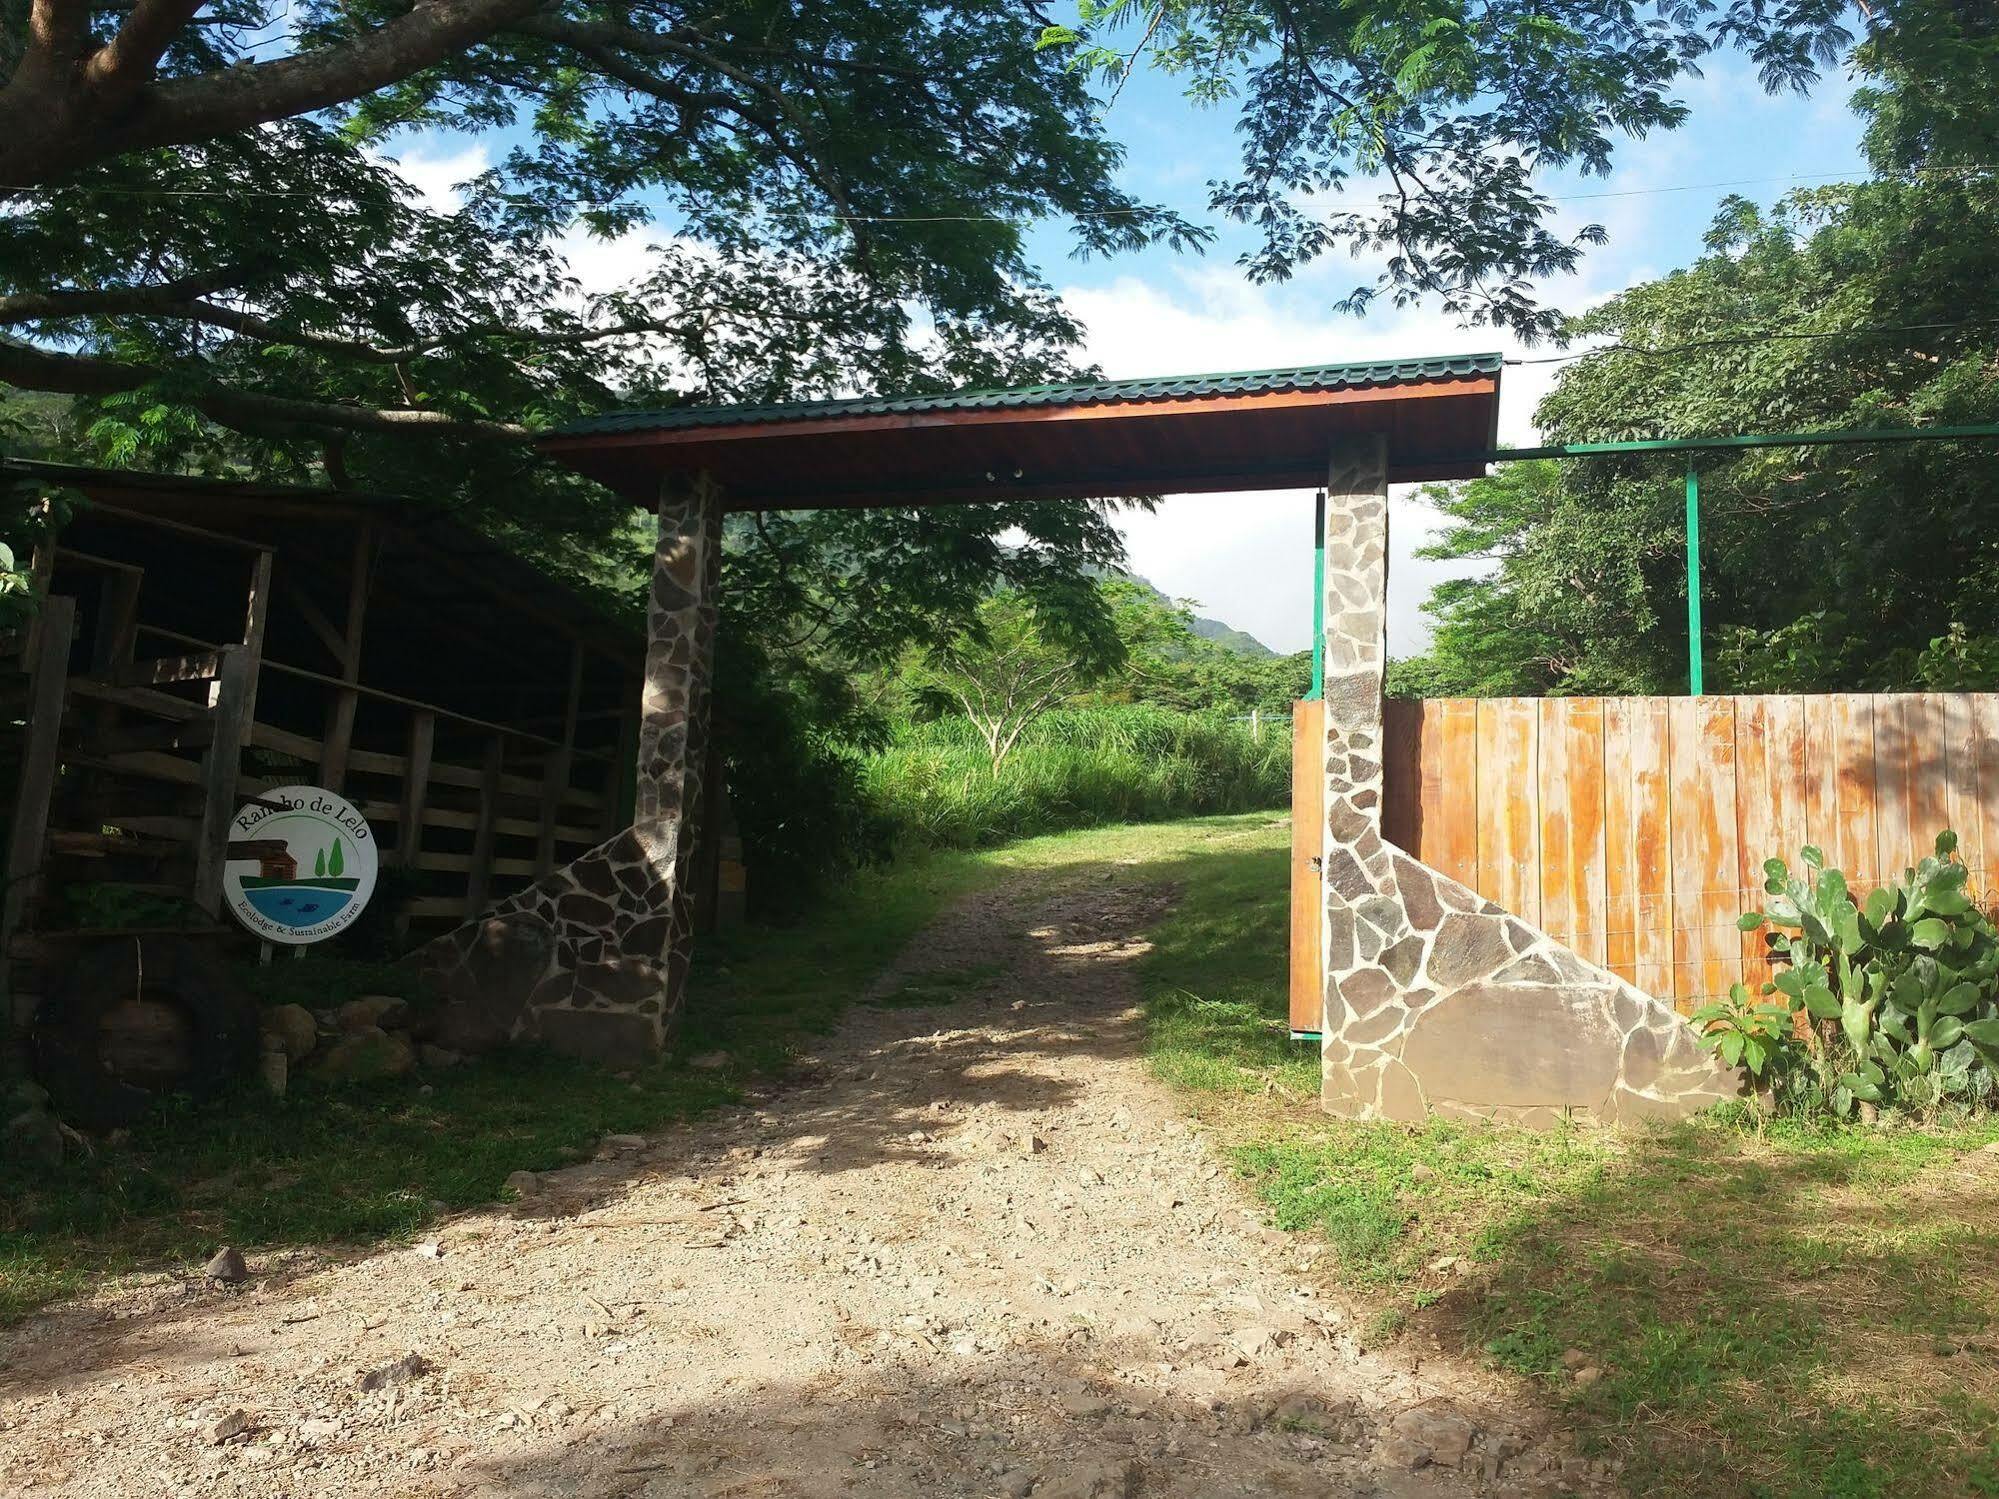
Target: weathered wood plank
[[1620, 842], [555, 775], [1706, 952], [1850, 844], [1308, 911], [1928, 773], [1894, 782], [1985, 737], [1652, 844], [1509, 854], [416, 789], [219, 770], [1449, 777], [256, 615], [139, 699], [1403, 724], [1588, 889], [481, 871], [1759, 773], [27, 832], [201, 666], [1549, 792]]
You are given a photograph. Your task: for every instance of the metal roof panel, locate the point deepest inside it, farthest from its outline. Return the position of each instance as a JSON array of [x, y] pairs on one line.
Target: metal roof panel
[[1074, 393]]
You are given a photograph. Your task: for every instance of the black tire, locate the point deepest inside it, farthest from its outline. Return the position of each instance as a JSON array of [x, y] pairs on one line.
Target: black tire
[[215, 1022]]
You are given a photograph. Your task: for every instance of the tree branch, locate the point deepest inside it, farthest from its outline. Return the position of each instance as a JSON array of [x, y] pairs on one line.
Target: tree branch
[[112, 301], [54, 119], [30, 368], [117, 69]]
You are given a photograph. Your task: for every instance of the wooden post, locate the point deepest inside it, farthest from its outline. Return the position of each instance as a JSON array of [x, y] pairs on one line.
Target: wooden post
[[621, 781], [257, 610], [219, 770], [416, 796], [555, 776], [340, 718], [416, 788], [27, 838], [116, 634], [480, 878]]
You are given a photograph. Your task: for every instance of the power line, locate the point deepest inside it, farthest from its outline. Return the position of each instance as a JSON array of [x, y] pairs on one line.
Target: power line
[[953, 218]]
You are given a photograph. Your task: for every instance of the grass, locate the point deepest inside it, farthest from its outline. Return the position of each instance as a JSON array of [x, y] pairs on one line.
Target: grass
[[1775, 1312], [933, 786]]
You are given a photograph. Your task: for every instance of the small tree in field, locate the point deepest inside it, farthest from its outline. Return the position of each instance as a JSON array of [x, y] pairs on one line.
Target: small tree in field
[[1006, 671]]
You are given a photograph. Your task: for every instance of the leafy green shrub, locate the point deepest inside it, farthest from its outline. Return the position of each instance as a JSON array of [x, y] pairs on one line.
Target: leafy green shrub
[[1900, 992]]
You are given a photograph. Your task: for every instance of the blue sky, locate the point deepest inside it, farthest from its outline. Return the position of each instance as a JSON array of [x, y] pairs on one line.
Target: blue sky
[[1246, 559]]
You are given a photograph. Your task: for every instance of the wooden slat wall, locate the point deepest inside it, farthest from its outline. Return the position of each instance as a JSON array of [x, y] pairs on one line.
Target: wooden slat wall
[[1635, 829]]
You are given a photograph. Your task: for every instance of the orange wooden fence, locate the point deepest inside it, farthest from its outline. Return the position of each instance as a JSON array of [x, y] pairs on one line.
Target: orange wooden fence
[[1635, 829]]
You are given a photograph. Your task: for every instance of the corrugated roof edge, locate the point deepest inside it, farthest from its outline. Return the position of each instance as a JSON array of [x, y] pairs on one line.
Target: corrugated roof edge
[[1078, 393]]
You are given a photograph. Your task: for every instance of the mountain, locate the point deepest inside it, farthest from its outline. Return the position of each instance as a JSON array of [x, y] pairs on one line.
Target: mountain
[[1226, 636], [1229, 638]]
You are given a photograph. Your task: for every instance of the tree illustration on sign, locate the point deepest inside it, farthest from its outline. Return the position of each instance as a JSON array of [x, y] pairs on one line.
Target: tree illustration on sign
[[319, 865], [338, 862]]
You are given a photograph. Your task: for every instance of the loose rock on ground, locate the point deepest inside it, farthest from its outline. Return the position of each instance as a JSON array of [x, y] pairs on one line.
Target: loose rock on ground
[[972, 1250]]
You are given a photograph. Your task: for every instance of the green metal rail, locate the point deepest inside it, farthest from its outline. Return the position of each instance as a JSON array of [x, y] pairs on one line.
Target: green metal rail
[[1688, 445], [1693, 445]]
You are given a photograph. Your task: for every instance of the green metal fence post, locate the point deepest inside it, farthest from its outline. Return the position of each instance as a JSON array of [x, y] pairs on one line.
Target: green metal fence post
[[1693, 578], [1318, 599]]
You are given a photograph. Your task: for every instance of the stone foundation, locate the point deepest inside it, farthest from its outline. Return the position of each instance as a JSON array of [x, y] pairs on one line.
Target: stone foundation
[[1438, 1001], [592, 959]]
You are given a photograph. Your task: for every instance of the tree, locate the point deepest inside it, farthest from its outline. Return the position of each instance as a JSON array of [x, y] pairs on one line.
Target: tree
[[202, 227], [222, 283], [1010, 666], [1837, 567], [1450, 109], [1166, 663]]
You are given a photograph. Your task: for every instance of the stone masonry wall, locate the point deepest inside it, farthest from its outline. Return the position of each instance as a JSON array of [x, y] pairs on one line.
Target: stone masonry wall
[[1438, 1001], [592, 959]]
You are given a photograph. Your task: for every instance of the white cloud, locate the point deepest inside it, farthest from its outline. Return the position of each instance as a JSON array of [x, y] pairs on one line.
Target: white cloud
[[435, 169], [1247, 558]]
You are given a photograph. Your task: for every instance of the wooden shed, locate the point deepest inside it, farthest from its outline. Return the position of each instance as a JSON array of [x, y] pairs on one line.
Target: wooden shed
[[202, 640]]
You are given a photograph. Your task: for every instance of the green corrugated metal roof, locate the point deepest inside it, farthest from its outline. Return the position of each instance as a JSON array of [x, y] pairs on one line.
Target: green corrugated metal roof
[[1079, 393]]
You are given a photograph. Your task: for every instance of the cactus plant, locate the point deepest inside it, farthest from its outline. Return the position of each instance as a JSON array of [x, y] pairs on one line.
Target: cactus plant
[[1907, 980]]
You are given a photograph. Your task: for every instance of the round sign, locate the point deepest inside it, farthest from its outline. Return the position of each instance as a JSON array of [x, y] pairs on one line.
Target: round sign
[[301, 865]]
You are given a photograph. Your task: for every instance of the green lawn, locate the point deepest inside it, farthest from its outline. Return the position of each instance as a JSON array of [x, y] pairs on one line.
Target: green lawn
[[1773, 1312]]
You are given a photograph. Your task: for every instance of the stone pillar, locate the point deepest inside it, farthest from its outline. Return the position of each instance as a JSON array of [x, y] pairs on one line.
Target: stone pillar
[[674, 709], [592, 960], [1361, 910], [1436, 1000]]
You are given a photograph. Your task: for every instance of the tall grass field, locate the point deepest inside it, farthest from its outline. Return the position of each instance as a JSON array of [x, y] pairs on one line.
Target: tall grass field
[[933, 786]]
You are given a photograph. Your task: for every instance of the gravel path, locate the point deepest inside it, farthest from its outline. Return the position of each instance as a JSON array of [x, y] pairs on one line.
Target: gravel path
[[967, 1250]]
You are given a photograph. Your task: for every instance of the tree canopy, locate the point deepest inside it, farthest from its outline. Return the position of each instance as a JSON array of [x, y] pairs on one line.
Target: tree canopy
[[1417, 132], [1875, 566], [207, 251]]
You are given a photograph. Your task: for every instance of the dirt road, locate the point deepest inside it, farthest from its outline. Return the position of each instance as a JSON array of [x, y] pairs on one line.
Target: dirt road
[[968, 1250]]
